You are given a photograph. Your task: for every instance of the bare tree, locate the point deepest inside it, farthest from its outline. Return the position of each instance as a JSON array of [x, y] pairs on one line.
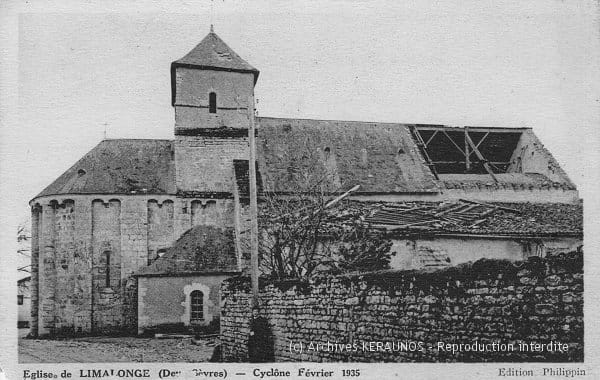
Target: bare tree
[[24, 244], [301, 237]]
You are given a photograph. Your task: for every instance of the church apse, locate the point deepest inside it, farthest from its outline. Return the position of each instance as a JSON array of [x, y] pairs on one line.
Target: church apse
[[106, 265]]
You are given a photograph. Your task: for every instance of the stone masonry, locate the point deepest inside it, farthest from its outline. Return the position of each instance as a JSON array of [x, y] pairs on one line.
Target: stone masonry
[[490, 301]]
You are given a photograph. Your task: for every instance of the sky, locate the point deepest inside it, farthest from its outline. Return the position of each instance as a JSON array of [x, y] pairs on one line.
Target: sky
[[73, 71]]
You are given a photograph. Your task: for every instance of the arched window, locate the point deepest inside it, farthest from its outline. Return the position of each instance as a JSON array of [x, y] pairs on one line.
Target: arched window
[[197, 306], [212, 102]]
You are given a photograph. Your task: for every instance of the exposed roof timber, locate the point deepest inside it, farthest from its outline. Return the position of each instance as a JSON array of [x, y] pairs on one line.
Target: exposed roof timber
[[468, 156], [462, 162], [471, 129], [480, 156], [431, 138], [454, 142]]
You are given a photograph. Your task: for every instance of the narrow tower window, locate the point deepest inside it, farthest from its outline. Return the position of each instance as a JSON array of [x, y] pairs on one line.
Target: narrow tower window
[[107, 279], [212, 102], [197, 306]]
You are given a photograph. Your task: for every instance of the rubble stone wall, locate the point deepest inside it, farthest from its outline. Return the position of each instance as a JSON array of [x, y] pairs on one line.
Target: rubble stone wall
[[539, 301]]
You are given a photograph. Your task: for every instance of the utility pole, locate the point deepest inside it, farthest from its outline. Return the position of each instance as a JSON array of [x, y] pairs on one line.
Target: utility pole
[[253, 204]]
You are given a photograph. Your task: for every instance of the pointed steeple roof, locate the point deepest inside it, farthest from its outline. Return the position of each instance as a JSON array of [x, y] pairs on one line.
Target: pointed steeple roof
[[214, 54]]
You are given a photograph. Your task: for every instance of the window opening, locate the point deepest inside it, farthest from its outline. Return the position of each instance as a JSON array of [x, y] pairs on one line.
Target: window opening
[[212, 102], [107, 279], [197, 306]]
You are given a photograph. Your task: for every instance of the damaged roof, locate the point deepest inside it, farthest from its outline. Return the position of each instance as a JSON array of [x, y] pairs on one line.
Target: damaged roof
[[293, 155], [123, 166], [509, 181], [470, 217], [201, 249]]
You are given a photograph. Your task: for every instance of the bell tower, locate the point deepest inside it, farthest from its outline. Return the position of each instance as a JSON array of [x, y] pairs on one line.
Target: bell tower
[[212, 92], [211, 86]]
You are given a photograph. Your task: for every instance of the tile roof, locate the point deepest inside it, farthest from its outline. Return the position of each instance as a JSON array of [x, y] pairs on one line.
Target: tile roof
[[201, 249], [213, 53], [510, 181], [380, 157], [120, 166], [468, 217], [291, 154]]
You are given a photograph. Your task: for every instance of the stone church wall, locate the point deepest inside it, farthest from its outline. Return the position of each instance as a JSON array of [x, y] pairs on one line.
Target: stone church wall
[[160, 227], [489, 301], [205, 164], [106, 265], [71, 236]]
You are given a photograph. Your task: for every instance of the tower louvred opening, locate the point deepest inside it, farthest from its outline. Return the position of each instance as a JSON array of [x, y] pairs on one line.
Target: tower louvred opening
[[469, 150]]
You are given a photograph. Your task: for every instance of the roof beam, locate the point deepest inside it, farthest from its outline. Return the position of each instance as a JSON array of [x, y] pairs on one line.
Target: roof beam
[[454, 142], [471, 129], [431, 138], [478, 143], [480, 156], [462, 162], [467, 153]]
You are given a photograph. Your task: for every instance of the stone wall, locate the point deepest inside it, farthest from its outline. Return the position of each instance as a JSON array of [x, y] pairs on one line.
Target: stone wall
[[490, 301], [165, 300], [106, 265], [530, 156], [71, 236], [462, 249], [205, 163], [192, 104], [160, 227]]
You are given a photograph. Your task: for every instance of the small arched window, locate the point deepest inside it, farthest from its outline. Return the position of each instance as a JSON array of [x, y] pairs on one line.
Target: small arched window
[[212, 102], [197, 306]]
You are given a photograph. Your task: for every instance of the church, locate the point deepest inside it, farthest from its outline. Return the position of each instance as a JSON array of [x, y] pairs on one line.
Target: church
[[141, 233]]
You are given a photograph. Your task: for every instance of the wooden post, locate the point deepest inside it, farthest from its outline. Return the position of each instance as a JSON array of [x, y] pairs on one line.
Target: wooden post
[[467, 153], [253, 204], [480, 156]]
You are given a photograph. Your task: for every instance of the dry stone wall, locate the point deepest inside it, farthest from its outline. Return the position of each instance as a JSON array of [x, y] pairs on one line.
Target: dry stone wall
[[398, 316]]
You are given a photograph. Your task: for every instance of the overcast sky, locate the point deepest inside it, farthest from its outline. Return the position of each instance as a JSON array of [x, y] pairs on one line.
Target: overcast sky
[[494, 64]]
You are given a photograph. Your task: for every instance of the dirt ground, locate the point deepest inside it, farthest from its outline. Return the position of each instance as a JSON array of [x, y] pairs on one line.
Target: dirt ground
[[108, 349]]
